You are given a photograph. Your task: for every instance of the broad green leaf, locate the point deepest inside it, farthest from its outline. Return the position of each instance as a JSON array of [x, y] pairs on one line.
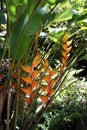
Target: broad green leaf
[[84, 57], [83, 28], [33, 5], [19, 49], [65, 15], [19, 39], [52, 1], [24, 28], [36, 22]]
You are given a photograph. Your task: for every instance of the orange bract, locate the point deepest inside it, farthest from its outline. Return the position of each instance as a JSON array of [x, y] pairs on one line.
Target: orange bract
[[14, 85], [65, 37], [64, 53], [28, 80], [51, 92], [26, 69], [53, 73], [35, 73], [53, 82], [26, 90], [47, 78], [69, 43], [44, 99], [45, 62], [64, 61], [69, 49], [34, 84], [66, 45], [36, 60], [41, 77], [28, 100]]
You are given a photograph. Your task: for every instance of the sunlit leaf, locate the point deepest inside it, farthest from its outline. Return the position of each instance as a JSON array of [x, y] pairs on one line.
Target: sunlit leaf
[[27, 80], [65, 15], [52, 2]]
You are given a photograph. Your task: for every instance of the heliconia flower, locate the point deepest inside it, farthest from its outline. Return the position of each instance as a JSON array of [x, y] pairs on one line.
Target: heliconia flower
[[34, 84], [27, 69], [27, 80], [36, 61], [64, 54], [37, 76], [45, 63], [69, 49], [53, 82], [14, 85], [27, 90], [65, 37], [64, 61], [69, 43], [35, 73], [47, 78], [30, 99], [44, 99], [51, 92], [66, 45]]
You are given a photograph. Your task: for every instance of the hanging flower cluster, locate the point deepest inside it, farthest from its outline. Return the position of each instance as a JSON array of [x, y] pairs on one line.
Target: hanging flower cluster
[[41, 79], [66, 45], [38, 80]]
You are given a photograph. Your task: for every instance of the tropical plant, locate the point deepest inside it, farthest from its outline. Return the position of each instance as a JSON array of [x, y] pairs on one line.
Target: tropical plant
[[28, 83]]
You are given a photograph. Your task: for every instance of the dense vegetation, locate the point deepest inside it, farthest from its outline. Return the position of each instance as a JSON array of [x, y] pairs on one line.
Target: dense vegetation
[[43, 64]]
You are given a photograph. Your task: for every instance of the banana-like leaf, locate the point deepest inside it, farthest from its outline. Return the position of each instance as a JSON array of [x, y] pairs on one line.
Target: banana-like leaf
[[22, 32]]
